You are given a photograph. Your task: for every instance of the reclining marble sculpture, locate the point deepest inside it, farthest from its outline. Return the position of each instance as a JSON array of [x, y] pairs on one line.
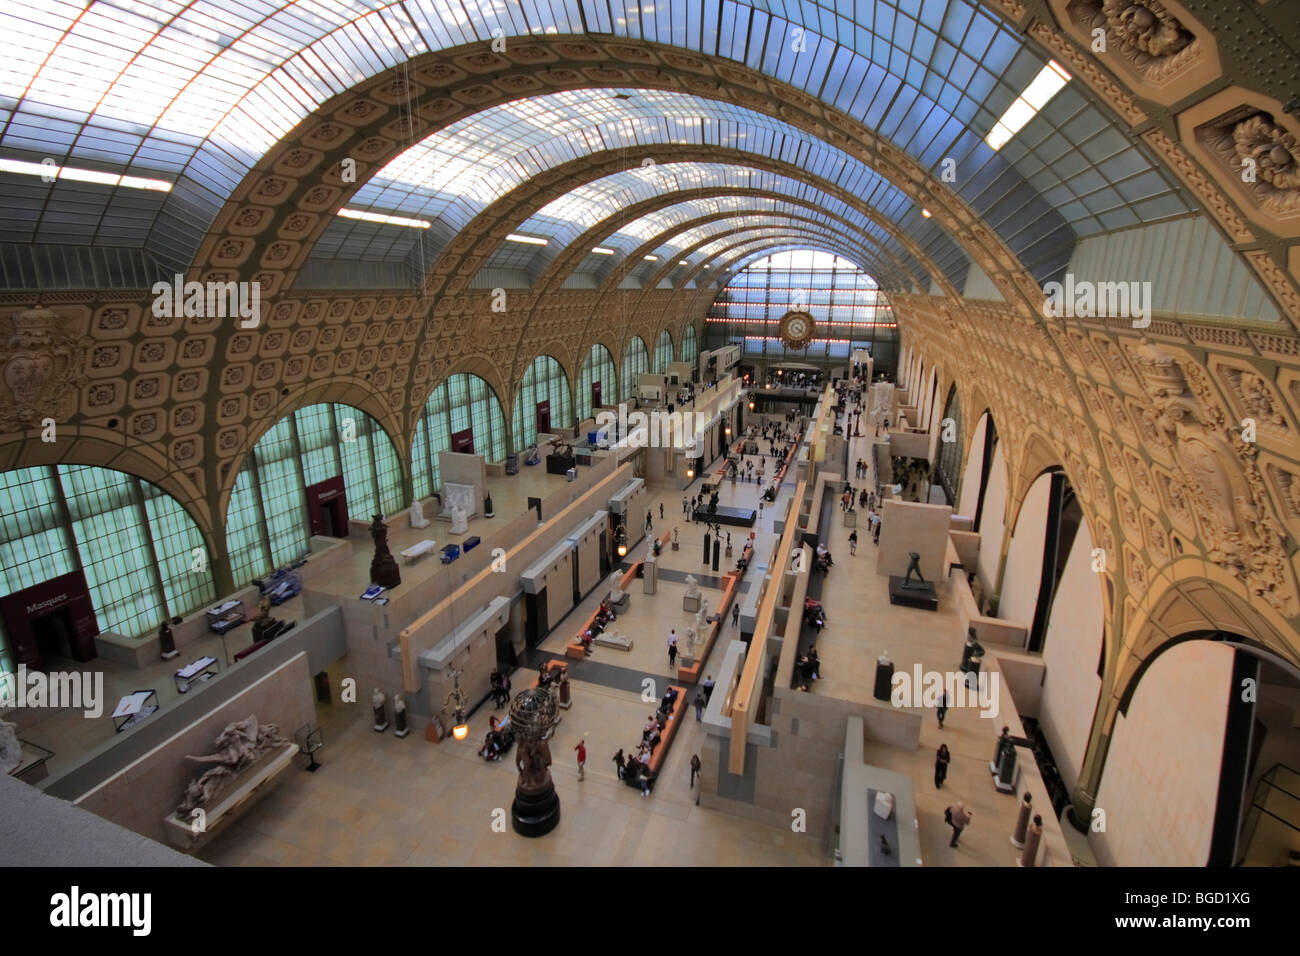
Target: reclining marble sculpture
[[239, 746]]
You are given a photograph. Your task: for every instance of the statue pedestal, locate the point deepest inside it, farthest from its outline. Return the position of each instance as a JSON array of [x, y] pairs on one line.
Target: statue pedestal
[[535, 814], [907, 594], [690, 602], [850, 519]]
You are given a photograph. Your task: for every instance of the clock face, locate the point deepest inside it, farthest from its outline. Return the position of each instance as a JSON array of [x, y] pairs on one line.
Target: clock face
[[796, 329]]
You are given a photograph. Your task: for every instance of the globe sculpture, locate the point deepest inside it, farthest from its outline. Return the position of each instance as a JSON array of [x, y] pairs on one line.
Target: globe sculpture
[[536, 808]]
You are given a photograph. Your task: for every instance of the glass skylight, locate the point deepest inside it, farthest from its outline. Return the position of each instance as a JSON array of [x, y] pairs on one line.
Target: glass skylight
[[1046, 84]]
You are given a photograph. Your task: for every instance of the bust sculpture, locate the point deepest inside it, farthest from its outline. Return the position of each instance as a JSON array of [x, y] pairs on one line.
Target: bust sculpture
[[377, 701], [418, 520]]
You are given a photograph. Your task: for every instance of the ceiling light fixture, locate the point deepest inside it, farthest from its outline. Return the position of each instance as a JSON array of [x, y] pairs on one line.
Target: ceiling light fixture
[[1045, 85], [925, 213], [384, 219], [651, 258], [526, 240], [602, 251]]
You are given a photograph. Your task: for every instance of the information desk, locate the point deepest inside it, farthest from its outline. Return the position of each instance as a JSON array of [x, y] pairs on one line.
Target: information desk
[[133, 708], [205, 668]]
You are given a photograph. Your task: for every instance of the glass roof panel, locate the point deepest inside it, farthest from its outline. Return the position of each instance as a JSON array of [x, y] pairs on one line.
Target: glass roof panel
[[208, 87]]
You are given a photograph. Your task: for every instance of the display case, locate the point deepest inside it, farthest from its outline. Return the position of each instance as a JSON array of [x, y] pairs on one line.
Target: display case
[[133, 708], [225, 616]]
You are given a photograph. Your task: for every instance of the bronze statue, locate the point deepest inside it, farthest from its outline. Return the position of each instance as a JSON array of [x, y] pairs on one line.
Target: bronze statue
[[914, 565], [383, 566], [536, 807]]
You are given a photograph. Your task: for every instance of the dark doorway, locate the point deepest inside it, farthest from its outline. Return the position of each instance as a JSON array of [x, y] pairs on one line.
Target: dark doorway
[[327, 508], [505, 650], [463, 441], [543, 417], [595, 396], [53, 633], [1064, 515], [322, 681]]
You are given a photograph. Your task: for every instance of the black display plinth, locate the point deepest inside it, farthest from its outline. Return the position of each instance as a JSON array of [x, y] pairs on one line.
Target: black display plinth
[[535, 814], [741, 517], [922, 597], [559, 465], [884, 680]]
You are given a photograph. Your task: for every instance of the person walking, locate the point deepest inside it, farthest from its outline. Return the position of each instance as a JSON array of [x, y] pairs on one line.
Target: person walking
[[957, 817], [686, 506], [672, 647], [661, 510], [853, 543], [695, 768], [582, 758], [649, 520], [620, 761], [735, 614], [699, 706], [942, 709], [941, 760]]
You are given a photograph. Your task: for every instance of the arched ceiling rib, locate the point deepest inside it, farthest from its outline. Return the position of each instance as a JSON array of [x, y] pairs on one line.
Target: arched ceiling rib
[[200, 94], [608, 200]]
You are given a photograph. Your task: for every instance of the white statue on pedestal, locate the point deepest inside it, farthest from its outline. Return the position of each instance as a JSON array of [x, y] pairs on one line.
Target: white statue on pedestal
[[692, 586], [702, 616], [418, 520], [459, 520], [691, 638]]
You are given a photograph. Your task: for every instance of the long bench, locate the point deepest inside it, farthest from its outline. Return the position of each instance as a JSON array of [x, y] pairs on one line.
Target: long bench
[[671, 725], [418, 550]]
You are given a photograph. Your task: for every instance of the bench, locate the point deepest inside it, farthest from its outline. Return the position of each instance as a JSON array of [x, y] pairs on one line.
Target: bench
[[666, 736], [613, 640], [553, 668], [418, 550]]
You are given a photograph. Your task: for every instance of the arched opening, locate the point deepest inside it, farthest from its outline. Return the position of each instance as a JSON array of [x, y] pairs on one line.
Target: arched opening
[[950, 447], [462, 414], [1045, 528], [543, 403], [690, 348], [663, 352], [116, 554], [635, 363], [597, 383], [310, 474], [1205, 736]]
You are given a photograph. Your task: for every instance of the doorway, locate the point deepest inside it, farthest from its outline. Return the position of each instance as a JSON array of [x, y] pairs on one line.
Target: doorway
[[53, 634], [506, 659]]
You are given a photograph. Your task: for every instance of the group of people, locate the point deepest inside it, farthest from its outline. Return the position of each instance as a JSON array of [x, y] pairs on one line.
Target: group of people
[[860, 469], [696, 503], [635, 771], [605, 614], [500, 688], [500, 738], [808, 668]]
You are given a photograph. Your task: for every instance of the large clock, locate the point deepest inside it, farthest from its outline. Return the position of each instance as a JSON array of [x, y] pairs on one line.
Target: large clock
[[796, 329]]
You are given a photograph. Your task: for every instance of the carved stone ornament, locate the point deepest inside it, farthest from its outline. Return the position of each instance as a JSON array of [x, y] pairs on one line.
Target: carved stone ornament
[[1143, 32], [1262, 154], [42, 365], [1219, 476]]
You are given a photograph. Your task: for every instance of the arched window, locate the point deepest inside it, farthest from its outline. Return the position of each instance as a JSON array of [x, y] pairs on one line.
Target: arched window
[[690, 349], [663, 352], [598, 368], [267, 522], [950, 453], [634, 364], [142, 555], [461, 414], [543, 396]]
